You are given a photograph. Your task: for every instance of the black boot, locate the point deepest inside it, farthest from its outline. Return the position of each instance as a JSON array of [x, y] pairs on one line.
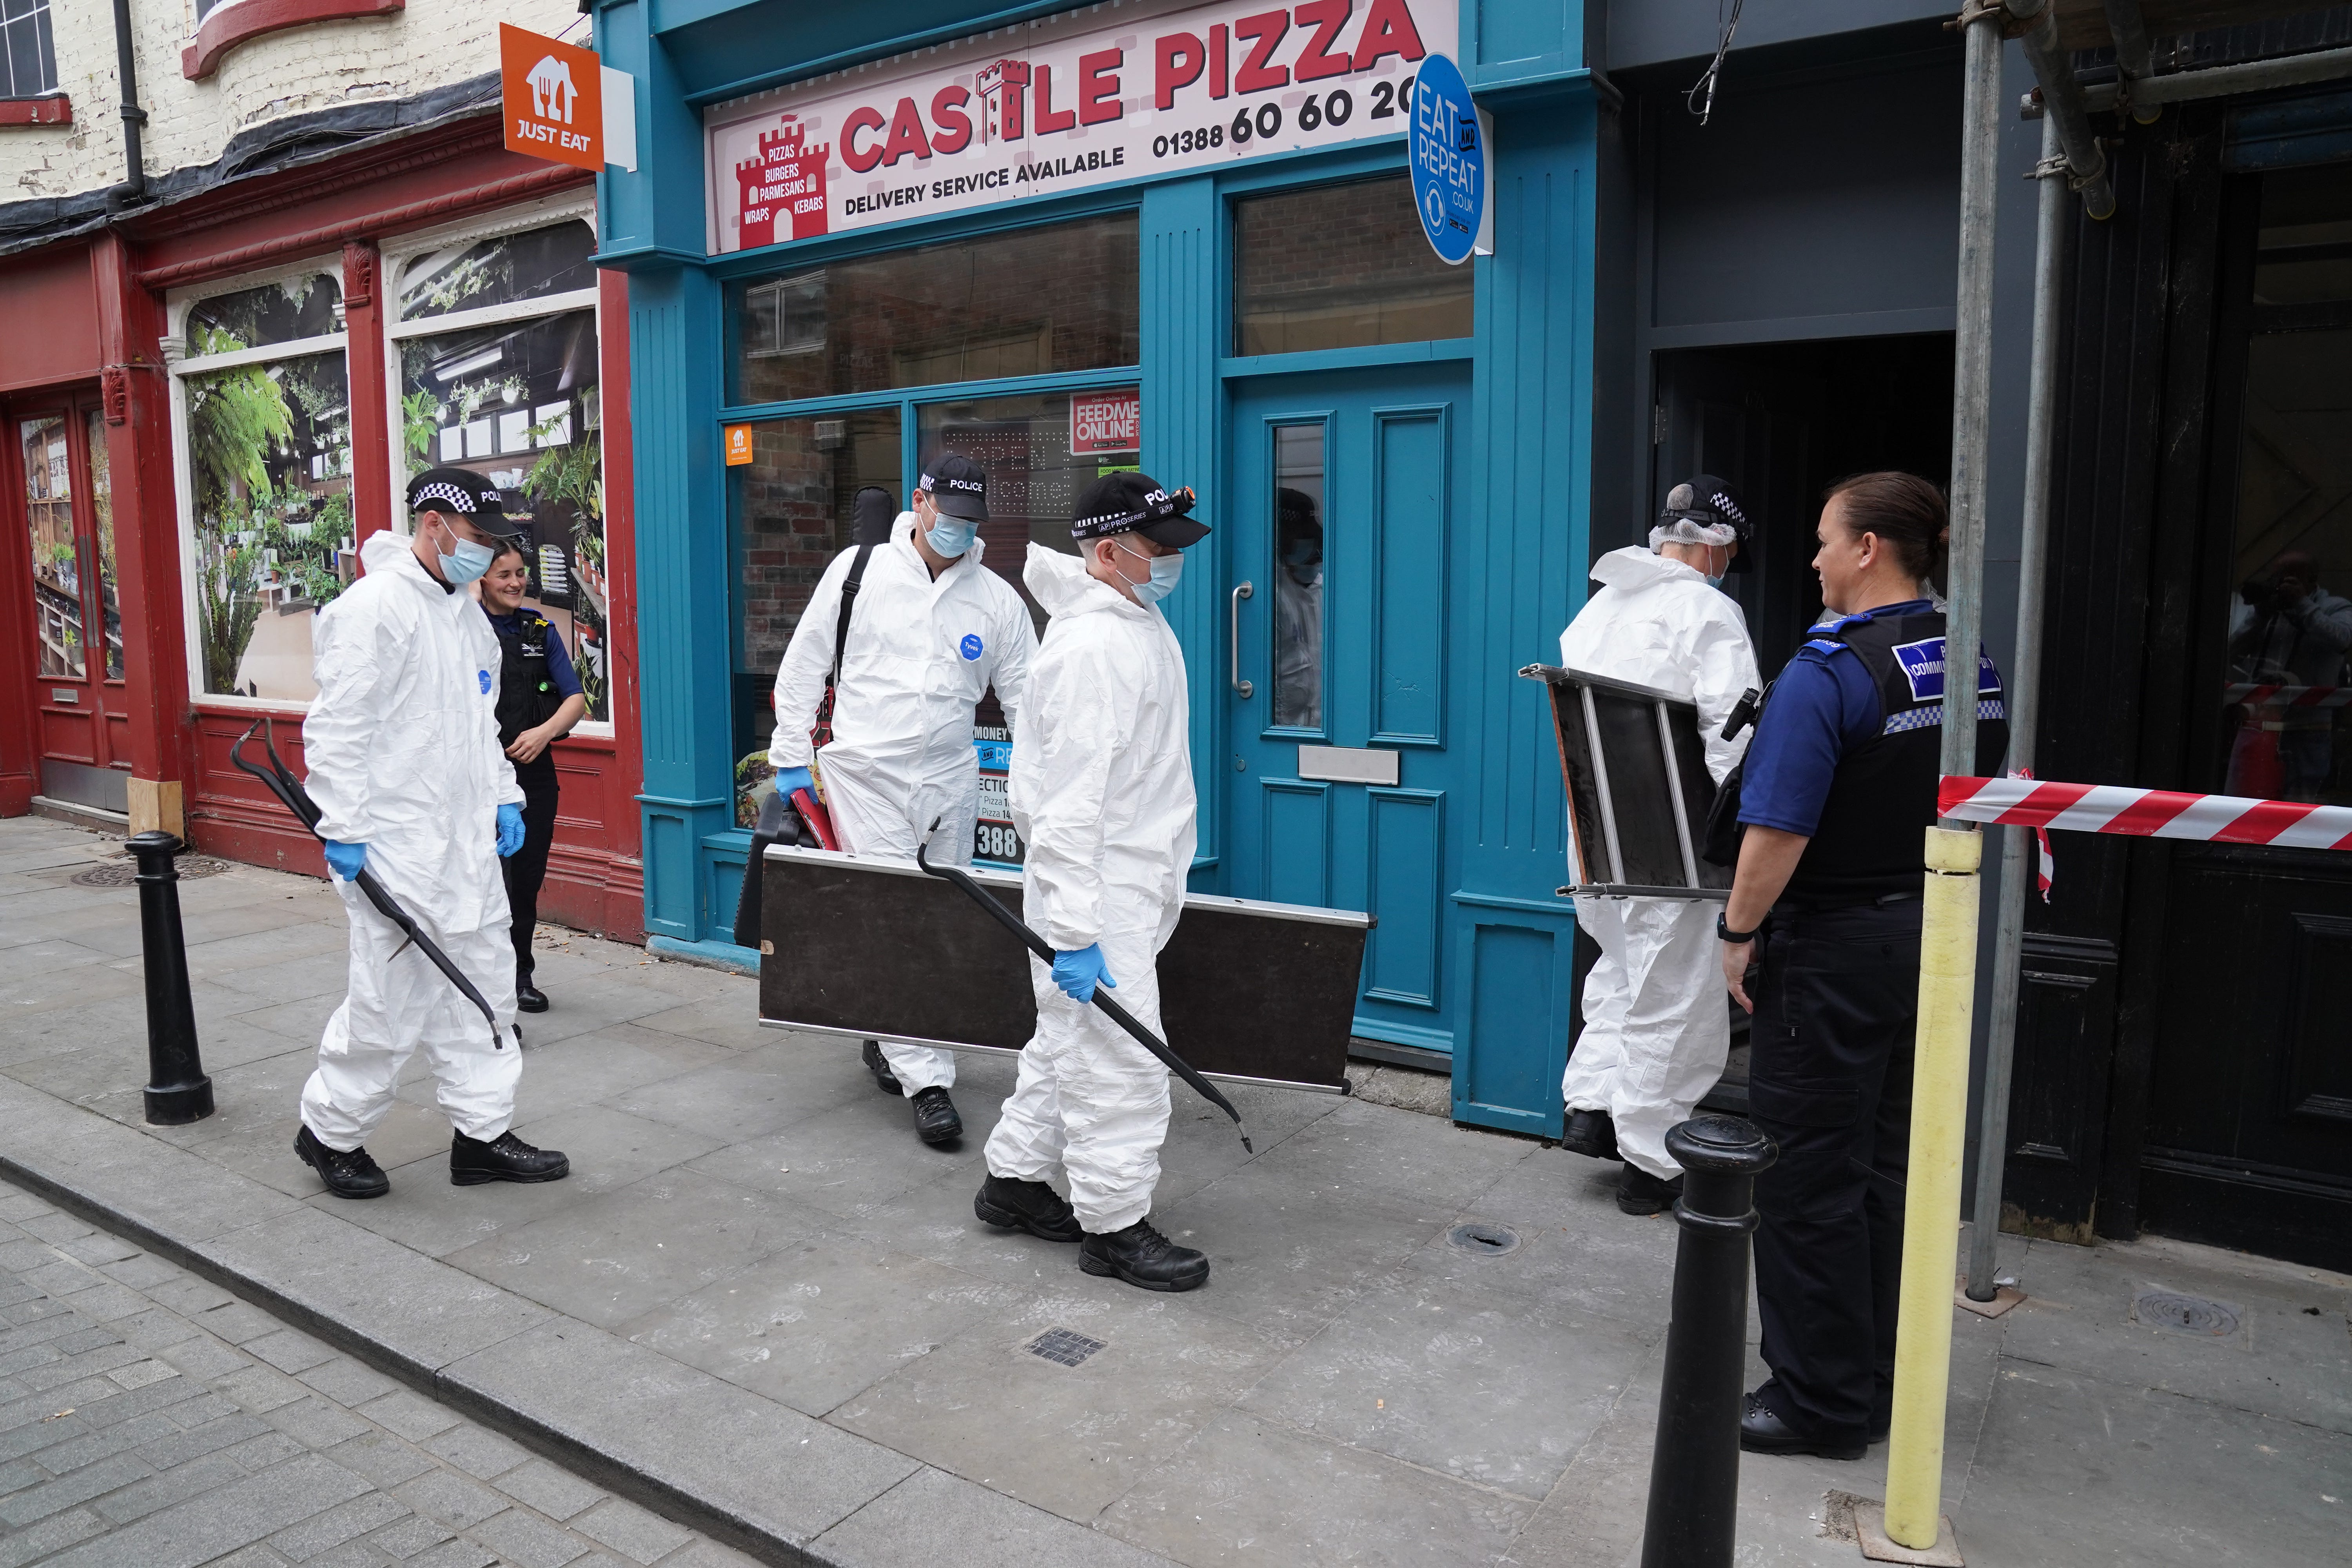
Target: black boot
[[505, 1158], [1763, 1431], [529, 998], [347, 1175], [1012, 1205], [879, 1066], [936, 1120], [1590, 1133], [1141, 1255], [1638, 1192]]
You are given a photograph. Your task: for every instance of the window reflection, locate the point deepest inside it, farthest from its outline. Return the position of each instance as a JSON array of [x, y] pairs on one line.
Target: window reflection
[[1298, 576], [307, 307], [1341, 266], [2289, 623], [558, 260], [101, 500], [56, 566]]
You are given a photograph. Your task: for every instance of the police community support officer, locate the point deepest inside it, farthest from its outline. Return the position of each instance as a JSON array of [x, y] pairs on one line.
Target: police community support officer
[[1820, 941], [930, 631], [540, 699]]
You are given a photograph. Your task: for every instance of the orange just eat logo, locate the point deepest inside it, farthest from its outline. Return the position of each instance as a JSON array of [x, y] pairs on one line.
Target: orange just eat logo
[[554, 98]]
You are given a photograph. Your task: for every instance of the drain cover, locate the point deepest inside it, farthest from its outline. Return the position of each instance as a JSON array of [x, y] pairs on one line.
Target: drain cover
[[1478, 1236], [123, 872], [1064, 1346], [2177, 1314]]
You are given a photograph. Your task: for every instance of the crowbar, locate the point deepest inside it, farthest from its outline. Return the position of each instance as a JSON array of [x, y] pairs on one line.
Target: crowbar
[[1118, 1015]]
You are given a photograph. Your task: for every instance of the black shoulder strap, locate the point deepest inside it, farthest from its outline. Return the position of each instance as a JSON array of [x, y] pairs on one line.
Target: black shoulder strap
[[848, 603]]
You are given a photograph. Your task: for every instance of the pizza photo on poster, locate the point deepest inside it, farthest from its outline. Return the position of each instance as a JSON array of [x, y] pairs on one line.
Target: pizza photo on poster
[[1063, 103]]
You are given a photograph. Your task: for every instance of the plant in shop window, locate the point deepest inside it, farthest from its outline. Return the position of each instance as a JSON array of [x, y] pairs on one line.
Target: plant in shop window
[[269, 449], [571, 476]]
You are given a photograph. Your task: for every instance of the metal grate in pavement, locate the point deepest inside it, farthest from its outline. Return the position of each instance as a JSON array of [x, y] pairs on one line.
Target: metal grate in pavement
[[2173, 1314], [1064, 1346], [122, 873]]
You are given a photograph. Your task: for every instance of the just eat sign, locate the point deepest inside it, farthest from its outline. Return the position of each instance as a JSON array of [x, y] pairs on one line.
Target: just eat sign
[[554, 98]]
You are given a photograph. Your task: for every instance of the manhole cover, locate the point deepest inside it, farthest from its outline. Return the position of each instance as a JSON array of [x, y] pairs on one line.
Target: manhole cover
[[1064, 1346], [1477, 1235], [123, 872], [2176, 1314]]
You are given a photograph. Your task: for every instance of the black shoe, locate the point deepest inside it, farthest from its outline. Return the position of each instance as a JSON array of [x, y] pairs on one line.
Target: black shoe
[[505, 1158], [1141, 1255], [1638, 1192], [936, 1120], [529, 998], [1762, 1431], [1012, 1205], [1590, 1133], [351, 1176], [875, 1063]]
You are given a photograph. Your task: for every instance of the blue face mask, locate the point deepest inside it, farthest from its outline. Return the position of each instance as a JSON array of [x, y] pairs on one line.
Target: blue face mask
[[1167, 571], [951, 536], [471, 562]]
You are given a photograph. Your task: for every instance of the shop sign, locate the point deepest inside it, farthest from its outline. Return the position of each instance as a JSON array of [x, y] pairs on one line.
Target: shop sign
[[738, 445], [563, 104], [1064, 104], [1105, 422], [1446, 147]]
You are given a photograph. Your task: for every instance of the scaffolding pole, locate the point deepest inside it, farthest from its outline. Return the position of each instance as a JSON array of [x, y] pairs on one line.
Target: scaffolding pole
[[2017, 857]]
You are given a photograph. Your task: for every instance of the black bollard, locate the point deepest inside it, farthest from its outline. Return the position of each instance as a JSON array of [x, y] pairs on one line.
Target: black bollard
[[1695, 1470], [177, 1090]]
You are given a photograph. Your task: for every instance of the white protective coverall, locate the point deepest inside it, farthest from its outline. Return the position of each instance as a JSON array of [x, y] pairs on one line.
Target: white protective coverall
[[921, 652], [402, 749], [1656, 1026], [1102, 794]]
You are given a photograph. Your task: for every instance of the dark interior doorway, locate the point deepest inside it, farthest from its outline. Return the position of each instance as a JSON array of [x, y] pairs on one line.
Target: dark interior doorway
[[1783, 421]]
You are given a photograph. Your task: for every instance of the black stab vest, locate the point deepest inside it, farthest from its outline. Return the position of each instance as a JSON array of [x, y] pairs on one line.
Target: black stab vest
[[527, 696], [1871, 843]]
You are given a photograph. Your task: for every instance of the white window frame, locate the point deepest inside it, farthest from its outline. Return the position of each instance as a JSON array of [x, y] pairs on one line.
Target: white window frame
[[396, 256], [177, 304]]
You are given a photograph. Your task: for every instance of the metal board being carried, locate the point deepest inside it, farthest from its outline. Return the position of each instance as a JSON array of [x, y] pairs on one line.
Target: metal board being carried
[[869, 947], [1638, 788]]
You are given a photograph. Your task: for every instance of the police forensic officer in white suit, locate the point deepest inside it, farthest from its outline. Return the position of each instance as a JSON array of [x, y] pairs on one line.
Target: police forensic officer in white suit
[[411, 785], [1656, 1030], [930, 630]]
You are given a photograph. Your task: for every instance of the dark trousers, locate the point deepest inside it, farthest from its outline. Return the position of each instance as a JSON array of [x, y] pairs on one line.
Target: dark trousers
[[1830, 1080], [526, 869]]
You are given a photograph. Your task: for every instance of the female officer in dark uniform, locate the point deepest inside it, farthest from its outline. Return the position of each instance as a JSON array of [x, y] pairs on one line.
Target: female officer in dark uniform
[[539, 701], [1820, 941]]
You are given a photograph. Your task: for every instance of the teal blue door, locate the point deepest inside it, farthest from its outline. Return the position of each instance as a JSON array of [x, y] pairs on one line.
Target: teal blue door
[[1348, 492]]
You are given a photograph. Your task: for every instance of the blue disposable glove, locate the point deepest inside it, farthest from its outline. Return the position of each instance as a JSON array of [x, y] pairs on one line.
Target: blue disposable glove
[[347, 860], [791, 779], [509, 828], [1076, 972]]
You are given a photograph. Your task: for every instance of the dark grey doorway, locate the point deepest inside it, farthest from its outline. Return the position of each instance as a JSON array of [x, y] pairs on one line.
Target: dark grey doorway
[[1782, 422]]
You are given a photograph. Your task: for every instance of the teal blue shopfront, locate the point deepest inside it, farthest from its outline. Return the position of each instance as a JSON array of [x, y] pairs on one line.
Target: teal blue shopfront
[[1173, 236]]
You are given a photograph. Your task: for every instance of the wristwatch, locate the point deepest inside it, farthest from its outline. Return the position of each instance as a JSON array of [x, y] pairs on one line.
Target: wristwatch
[[1734, 937]]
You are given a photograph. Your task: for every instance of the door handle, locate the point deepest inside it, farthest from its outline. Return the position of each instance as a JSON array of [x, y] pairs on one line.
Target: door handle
[[1242, 689]]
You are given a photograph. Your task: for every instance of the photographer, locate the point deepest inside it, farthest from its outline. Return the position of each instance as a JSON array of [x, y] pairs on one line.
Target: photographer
[[1821, 943]]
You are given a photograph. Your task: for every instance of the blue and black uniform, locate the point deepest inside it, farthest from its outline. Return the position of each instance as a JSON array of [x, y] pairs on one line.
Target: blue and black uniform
[[535, 677], [1846, 754]]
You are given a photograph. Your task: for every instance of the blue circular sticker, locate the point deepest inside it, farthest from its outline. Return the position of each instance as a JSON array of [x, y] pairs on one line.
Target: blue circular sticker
[[971, 645], [1448, 156], [485, 677]]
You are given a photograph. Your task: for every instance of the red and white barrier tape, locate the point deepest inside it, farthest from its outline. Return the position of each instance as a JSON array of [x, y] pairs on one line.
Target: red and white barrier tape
[[2256, 695], [2046, 868], [2147, 813]]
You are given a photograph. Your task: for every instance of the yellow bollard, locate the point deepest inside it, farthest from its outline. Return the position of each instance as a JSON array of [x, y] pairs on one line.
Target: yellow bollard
[[1931, 1210]]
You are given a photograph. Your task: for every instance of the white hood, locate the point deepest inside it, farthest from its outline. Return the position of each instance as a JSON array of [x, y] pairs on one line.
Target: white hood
[[1637, 566], [384, 549], [1064, 587]]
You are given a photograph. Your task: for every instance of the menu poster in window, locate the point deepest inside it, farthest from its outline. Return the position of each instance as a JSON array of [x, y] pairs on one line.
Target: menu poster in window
[[1063, 103]]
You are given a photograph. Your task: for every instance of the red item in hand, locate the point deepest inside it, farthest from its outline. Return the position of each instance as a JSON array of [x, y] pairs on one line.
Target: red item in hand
[[819, 821]]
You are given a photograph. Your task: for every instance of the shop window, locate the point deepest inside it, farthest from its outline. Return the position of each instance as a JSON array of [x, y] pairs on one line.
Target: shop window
[[1061, 297], [793, 505], [267, 457], [1040, 450], [28, 56], [101, 499], [1341, 266], [499, 372], [56, 564], [509, 269]]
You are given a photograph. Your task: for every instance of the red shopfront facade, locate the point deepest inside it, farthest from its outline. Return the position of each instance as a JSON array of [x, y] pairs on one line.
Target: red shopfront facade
[[209, 407]]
